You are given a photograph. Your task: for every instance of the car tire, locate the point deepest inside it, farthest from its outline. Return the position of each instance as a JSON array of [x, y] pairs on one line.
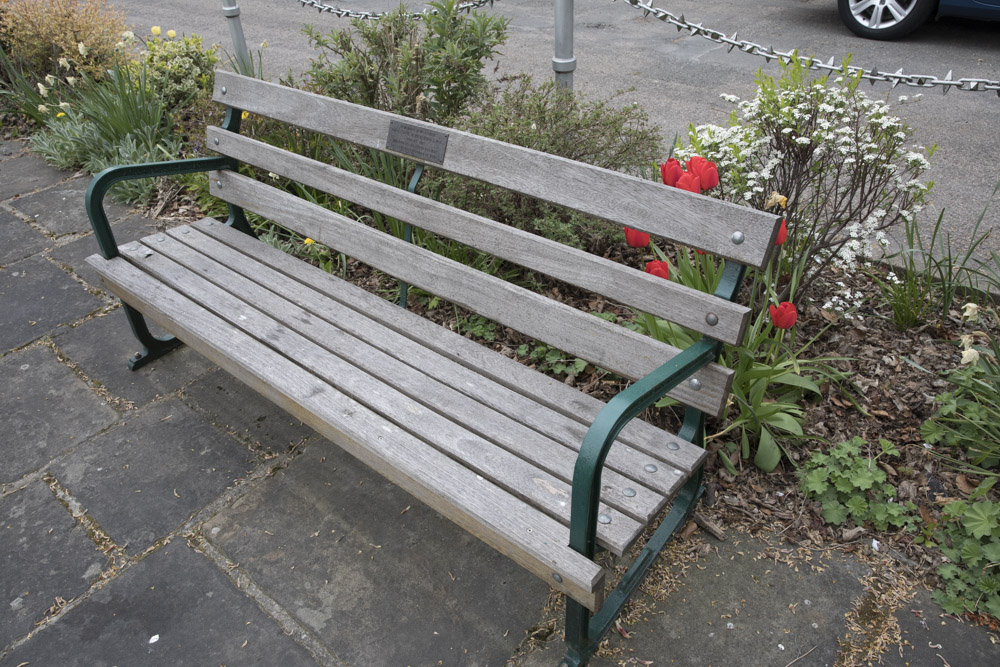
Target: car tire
[[884, 19]]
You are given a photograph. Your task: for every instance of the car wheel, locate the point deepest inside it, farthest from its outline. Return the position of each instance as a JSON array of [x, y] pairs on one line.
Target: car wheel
[[884, 19]]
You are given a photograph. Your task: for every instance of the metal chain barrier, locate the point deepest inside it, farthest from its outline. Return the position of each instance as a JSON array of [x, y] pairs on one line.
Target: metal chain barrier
[[374, 16], [768, 53]]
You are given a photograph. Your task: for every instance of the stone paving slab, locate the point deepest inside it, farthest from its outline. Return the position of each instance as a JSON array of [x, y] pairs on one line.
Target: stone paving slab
[[737, 608], [46, 554], [46, 410], [19, 239], [377, 576], [101, 348], [60, 209], [233, 406], [26, 173], [10, 148], [141, 481], [172, 608], [37, 296], [75, 253]]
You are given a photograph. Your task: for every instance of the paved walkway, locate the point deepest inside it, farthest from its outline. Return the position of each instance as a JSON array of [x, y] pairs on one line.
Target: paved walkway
[[170, 516]]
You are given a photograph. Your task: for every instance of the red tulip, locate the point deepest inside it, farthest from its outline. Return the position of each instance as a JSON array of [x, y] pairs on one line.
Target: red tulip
[[670, 171], [782, 233], [658, 268], [635, 238], [706, 171], [689, 182], [783, 315]]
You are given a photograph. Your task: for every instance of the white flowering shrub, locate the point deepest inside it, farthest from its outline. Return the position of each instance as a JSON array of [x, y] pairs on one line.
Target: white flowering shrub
[[842, 160]]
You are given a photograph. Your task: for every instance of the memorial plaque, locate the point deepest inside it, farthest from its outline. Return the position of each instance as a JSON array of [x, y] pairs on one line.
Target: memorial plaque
[[420, 143]]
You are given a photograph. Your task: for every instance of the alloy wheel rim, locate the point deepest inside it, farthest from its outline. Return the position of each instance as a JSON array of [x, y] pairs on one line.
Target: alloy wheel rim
[[881, 14]]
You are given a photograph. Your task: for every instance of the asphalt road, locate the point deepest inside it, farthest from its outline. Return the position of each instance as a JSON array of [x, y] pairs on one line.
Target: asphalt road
[[678, 78]]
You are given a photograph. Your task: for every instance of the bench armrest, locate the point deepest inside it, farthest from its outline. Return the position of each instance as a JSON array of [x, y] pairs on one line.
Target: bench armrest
[[624, 407], [101, 183]]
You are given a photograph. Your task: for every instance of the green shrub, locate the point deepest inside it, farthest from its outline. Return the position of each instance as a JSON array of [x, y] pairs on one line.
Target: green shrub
[[564, 123], [428, 66], [41, 32], [179, 69]]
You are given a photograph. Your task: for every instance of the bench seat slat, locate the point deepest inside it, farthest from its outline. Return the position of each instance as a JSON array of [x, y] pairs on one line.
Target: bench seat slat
[[522, 478], [531, 538], [606, 345], [516, 377], [695, 220], [666, 299], [256, 263]]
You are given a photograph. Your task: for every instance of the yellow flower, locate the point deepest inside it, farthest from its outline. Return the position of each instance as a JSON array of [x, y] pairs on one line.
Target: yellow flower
[[171, 34], [71, 80], [60, 114], [155, 30], [970, 356], [82, 48], [775, 199], [64, 63], [308, 241], [42, 108], [49, 79], [970, 311], [245, 115], [42, 90]]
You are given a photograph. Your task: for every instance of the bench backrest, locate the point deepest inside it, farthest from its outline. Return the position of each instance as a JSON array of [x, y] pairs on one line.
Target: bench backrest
[[734, 232]]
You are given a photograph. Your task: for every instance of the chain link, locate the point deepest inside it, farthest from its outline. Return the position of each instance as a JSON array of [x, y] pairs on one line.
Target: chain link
[[374, 16], [768, 53]]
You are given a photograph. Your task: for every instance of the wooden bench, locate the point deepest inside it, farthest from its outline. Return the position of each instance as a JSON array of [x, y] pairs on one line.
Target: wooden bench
[[537, 469]]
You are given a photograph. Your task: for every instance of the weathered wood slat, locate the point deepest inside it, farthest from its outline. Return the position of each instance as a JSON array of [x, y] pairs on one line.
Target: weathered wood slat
[[604, 344], [681, 216], [435, 396], [668, 300], [509, 373], [252, 264], [532, 539], [532, 485]]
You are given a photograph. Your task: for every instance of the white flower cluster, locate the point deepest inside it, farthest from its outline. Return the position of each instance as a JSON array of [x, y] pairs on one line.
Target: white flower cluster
[[844, 301]]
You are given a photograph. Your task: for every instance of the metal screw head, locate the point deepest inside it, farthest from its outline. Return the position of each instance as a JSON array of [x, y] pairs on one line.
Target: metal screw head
[[695, 384], [216, 141], [737, 238], [649, 467], [218, 183], [628, 492], [159, 239], [185, 231], [557, 577], [711, 319], [673, 445], [603, 518], [223, 90]]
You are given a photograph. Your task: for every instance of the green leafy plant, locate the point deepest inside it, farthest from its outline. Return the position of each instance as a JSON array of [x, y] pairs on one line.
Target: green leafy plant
[[969, 537], [179, 69], [550, 360], [428, 66], [968, 417], [548, 118], [850, 485]]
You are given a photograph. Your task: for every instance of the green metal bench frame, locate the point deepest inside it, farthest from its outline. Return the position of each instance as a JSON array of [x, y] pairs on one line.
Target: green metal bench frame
[[584, 629]]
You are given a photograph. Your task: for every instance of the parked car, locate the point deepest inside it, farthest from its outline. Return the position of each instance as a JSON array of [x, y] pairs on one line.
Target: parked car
[[889, 19]]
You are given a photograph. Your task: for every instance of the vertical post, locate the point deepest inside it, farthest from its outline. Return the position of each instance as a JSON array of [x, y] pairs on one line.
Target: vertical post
[[564, 62], [232, 12]]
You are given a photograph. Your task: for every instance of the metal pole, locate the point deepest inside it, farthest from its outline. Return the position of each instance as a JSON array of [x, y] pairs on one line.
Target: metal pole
[[232, 12], [564, 62]]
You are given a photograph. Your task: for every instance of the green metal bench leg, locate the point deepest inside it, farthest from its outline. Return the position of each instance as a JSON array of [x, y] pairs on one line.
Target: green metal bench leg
[[153, 347], [584, 631]]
